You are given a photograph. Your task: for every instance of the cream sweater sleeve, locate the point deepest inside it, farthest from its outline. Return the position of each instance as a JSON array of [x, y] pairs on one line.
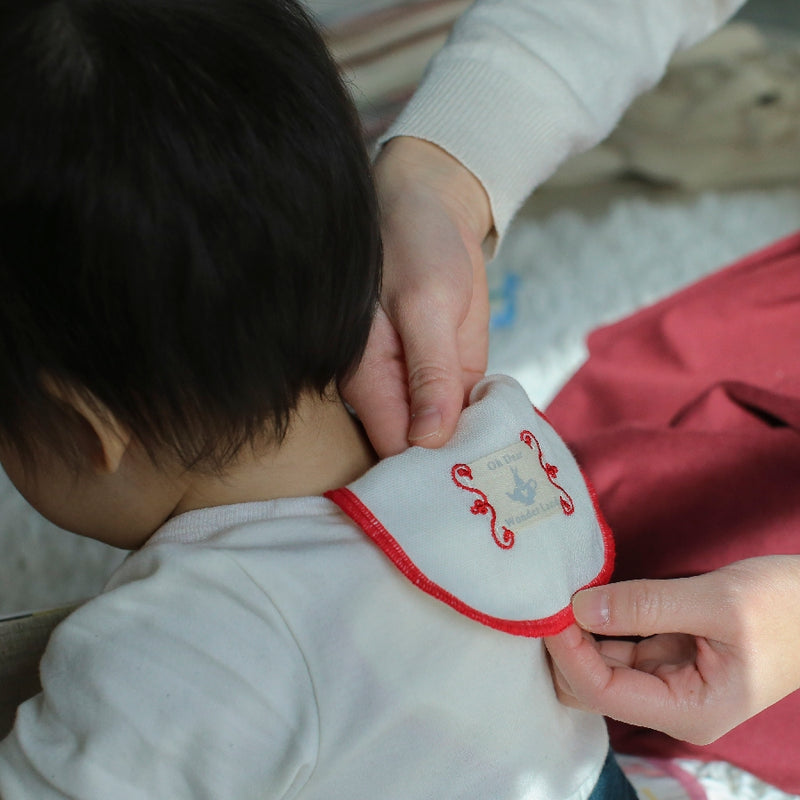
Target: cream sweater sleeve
[[523, 84]]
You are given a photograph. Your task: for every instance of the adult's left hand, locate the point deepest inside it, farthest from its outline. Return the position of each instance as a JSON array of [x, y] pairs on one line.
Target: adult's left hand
[[720, 647], [429, 340]]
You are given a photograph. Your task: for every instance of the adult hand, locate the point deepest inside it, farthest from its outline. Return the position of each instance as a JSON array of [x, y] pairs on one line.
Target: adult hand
[[429, 342], [722, 647]]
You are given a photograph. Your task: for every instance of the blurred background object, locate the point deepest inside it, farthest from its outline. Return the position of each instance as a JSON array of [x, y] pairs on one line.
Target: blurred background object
[[727, 113]]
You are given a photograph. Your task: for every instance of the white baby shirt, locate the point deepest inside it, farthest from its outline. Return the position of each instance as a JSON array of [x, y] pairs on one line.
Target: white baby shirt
[[277, 650]]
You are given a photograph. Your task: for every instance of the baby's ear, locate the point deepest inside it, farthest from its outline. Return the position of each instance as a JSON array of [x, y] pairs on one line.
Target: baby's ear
[[108, 439]]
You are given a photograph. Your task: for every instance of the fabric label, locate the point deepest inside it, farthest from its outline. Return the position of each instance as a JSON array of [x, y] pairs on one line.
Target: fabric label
[[516, 485]]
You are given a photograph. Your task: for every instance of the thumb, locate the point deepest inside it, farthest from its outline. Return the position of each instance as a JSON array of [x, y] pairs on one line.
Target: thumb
[[648, 607], [435, 381]]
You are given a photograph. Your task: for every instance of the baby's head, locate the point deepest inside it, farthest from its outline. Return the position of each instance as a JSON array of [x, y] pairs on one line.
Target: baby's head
[[189, 240]]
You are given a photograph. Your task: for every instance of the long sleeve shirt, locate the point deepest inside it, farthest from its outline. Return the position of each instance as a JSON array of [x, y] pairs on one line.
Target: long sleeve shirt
[[522, 85]]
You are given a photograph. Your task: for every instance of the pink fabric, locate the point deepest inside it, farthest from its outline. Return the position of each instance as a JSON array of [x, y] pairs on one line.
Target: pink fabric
[[686, 418]]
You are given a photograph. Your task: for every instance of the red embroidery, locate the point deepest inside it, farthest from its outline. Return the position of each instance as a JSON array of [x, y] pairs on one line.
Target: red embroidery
[[567, 506], [482, 506]]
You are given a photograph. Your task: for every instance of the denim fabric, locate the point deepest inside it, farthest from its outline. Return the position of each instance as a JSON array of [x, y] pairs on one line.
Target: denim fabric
[[612, 783]]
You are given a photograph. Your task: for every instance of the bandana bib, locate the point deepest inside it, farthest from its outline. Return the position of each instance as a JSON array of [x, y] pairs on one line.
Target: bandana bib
[[499, 523]]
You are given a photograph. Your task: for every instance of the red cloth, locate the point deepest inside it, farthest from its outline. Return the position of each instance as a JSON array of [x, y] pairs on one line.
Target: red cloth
[[686, 418]]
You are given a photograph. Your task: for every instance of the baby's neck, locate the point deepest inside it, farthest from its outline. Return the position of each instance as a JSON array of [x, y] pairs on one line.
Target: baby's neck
[[324, 448]]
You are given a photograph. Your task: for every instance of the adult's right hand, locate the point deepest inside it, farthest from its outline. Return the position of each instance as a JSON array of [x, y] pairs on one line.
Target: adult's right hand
[[429, 341], [719, 648]]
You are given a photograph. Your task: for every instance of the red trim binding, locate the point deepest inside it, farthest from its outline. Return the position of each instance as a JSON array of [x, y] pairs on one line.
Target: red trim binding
[[352, 506], [609, 550]]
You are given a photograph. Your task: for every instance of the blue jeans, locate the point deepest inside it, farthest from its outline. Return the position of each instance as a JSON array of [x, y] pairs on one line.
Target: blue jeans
[[612, 783]]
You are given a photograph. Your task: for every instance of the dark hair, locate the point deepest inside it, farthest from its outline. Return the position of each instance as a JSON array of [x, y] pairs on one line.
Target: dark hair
[[188, 228]]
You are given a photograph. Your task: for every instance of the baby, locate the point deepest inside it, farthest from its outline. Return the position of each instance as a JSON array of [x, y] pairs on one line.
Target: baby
[[190, 261]]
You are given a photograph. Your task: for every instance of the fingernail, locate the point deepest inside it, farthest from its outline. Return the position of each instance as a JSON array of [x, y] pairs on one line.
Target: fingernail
[[425, 423], [591, 608]]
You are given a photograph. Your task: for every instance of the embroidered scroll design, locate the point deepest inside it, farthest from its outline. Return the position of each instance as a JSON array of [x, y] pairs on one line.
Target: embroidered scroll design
[[494, 471], [567, 505], [461, 472]]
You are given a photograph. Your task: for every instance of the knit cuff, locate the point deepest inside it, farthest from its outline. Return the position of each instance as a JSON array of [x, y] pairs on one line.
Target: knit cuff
[[510, 137]]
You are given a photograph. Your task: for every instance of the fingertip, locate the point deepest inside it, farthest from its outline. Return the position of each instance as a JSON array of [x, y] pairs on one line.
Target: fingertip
[[592, 608], [426, 427], [435, 421], [569, 638], [385, 423], [386, 444]]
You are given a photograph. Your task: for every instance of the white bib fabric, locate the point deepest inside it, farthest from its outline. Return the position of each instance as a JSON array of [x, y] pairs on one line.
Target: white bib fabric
[[499, 523]]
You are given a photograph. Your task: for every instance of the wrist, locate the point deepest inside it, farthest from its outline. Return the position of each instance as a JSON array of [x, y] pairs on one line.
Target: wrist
[[406, 163]]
